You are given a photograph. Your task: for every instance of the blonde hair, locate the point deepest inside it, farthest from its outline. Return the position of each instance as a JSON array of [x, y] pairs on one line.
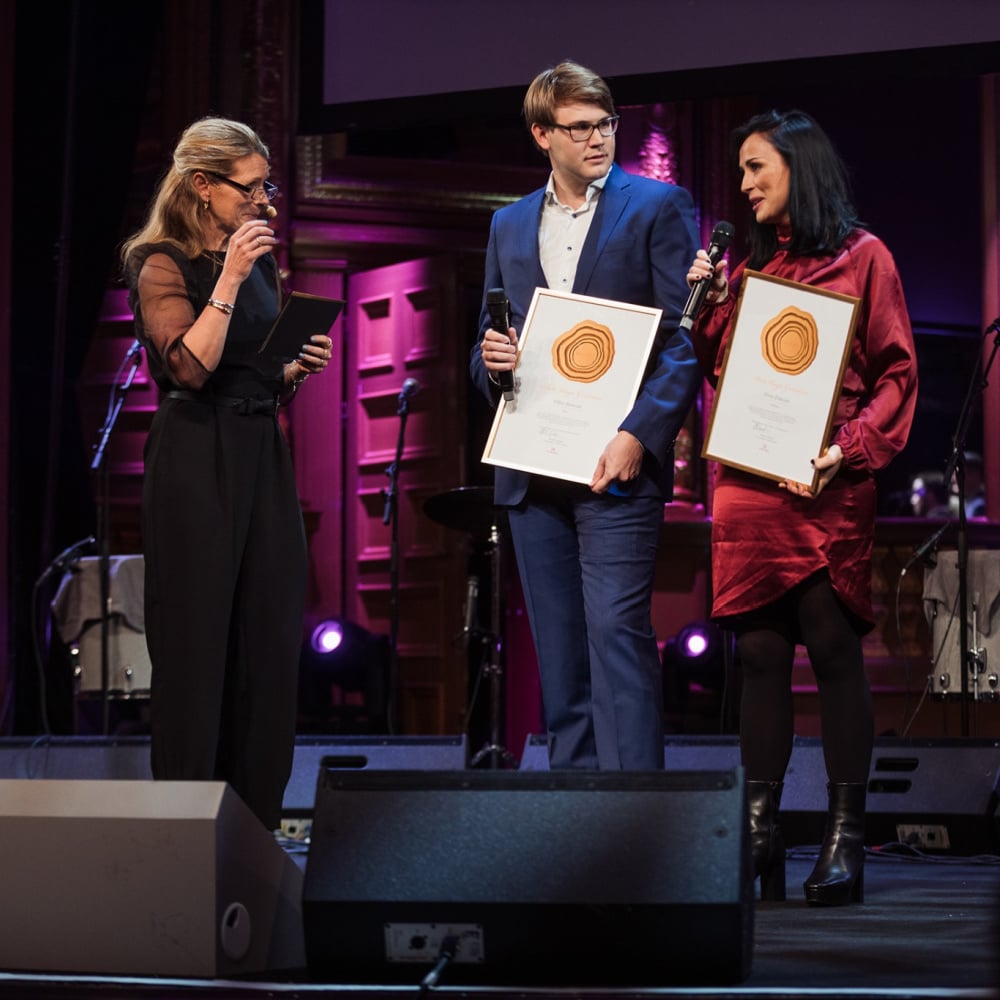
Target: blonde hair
[[567, 83], [210, 145]]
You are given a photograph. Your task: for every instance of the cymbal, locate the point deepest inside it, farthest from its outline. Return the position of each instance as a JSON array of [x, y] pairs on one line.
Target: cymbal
[[467, 508]]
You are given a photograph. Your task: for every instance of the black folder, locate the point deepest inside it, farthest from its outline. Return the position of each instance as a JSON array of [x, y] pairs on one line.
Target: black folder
[[301, 317]]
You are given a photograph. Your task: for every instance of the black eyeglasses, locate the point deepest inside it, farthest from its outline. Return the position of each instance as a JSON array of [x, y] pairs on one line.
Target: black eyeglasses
[[582, 131], [267, 189]]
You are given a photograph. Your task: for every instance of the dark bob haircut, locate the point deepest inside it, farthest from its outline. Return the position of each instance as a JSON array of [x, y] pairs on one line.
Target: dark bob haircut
[[820, 203]]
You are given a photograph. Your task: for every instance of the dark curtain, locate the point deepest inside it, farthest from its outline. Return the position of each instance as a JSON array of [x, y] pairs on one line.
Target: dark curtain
[[80, 82]]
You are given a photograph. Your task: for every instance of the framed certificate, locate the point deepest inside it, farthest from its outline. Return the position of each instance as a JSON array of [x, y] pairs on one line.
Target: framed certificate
[[780, 378], [580, 363]]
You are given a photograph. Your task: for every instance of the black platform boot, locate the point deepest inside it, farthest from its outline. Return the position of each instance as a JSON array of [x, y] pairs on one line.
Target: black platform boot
[[838, 878], [766, 842]]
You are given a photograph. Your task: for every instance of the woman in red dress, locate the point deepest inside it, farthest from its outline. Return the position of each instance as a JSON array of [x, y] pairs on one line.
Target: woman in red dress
[[791, 565]]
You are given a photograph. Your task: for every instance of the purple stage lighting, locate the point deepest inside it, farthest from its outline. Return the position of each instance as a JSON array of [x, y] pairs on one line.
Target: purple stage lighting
[[695, 643], [695, 654], [327, 637], [698, 642], [343, 678]]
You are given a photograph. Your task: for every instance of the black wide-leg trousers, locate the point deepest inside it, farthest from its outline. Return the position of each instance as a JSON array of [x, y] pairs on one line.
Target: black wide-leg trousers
[[226, 572]]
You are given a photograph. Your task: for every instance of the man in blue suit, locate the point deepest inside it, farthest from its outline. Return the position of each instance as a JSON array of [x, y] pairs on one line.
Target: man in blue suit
[[586, 555]]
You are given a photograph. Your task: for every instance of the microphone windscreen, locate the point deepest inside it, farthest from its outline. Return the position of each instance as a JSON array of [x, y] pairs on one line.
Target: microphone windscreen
[[722, 235]]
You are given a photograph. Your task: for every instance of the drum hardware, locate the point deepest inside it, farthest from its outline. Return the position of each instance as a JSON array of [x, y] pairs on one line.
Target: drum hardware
[[983, 685], [981, 679], [471, 509], [129, 668], [955, 472]]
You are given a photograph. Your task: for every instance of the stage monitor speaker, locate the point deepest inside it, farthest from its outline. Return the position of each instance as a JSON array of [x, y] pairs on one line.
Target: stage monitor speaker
[[143, 878], [932, 794], [72, 757], [939, 794], [356, 753], [680, 753], [127, 757], [570, 878]]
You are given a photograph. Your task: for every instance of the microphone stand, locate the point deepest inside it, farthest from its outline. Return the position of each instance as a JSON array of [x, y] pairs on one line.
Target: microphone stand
[[99, 465], [390, 516], [494, 748], [956, 468]]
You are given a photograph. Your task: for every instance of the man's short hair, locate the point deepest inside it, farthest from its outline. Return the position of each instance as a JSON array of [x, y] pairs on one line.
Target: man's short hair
[[567, 83]]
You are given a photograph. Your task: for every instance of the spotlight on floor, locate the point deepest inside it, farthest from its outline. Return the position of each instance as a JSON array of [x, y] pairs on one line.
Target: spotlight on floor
[[327, 637], [699, 648], [693, 660], [343, 679]]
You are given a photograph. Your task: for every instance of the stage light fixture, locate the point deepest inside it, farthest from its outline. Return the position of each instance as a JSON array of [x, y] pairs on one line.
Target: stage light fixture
[[327, 637], [693, 657], [699, 644], [694, 643], [343, 677], [699, 688]]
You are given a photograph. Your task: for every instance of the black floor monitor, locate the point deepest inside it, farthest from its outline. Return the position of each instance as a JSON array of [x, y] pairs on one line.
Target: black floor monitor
[[570, 878]]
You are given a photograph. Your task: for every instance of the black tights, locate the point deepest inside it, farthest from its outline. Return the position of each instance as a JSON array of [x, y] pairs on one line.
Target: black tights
[[766, 649]]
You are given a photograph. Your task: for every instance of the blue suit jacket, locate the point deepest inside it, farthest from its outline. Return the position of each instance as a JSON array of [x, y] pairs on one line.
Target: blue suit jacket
[[640, 244]]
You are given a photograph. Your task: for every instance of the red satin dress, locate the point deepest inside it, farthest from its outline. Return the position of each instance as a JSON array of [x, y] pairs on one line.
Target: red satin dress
[[766, 540]]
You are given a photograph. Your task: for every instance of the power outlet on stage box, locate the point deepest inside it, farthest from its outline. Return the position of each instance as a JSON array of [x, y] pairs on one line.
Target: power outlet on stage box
[[296, 829], [928, 836], [424, 942]]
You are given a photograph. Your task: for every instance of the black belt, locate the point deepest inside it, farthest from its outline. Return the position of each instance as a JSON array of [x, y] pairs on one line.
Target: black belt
[[244, 405]]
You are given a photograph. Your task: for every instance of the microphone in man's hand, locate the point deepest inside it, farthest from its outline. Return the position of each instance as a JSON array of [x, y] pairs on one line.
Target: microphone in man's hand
[[718, 244], [499, 310]]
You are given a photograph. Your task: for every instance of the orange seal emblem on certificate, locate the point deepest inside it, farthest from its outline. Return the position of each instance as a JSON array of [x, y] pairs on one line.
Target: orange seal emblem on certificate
[[584, 353], [790, 341]]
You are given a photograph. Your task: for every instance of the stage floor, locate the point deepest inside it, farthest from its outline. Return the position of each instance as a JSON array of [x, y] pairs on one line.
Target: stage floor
[[929, 928]]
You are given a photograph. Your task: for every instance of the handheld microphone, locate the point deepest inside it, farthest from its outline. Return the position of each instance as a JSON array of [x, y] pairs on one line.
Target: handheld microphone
[[718, 244], [499, 310], [270, 212]]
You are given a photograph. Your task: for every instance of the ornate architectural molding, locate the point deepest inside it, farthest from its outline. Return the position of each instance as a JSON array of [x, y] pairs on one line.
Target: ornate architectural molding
[[394, 185]]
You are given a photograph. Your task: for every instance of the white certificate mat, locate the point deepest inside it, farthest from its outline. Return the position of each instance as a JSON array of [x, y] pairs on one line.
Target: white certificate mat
[[781, 377], [580, 363]]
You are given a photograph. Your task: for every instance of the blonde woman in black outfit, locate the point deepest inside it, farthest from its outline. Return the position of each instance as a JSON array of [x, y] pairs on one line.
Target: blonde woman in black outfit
[[222, 528]]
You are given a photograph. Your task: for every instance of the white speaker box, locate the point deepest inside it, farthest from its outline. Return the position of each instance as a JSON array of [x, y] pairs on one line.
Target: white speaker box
[[143, 878]]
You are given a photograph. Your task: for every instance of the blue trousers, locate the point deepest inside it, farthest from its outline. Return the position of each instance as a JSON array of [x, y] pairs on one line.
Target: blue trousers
[[586, 564]]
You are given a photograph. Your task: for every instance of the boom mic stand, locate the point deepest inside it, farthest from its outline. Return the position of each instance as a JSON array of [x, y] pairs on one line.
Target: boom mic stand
[[99, 464], [390, 516], [968, 661]]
